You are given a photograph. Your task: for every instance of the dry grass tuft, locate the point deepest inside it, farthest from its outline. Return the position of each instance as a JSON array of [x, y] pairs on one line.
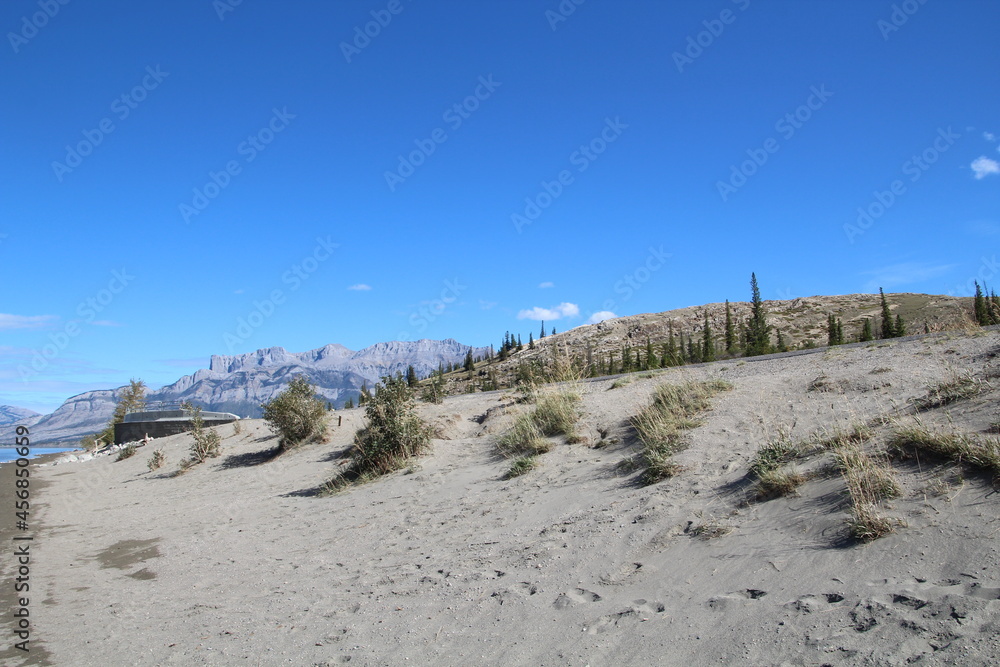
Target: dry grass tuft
[[777, 483], [773, 455], [965, 448], [520, 466], [870, 480], [950, 391], [660, 425]]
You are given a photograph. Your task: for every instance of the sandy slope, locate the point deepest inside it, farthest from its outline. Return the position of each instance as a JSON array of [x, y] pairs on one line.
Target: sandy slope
[[237, 562]]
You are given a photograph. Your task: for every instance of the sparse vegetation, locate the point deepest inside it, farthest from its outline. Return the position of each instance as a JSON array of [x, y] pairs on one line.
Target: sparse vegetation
[[983, 453], [773, 456], [156, 461], [554, 414], [523, 438], [660, 425], [205, 444], [775, 483], [520, 466], [127, 452], [296, 414], [237, 427], [869, 480], [133, 398], [950, 391], [394, 434], [621, 382]]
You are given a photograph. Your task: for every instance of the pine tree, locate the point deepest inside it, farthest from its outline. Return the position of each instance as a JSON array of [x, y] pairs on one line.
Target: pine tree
[[626, 358], [840, 332], [553, 331], [519, 346], [707, 341], [980, 308], [693, 351], [611, 363], [411, 376], [652, 360], [782, 346], [469, 365], [758, 330], [831, 330], [866, 331], [730, 330], [531, 341], [899, 330], [542, 334], [888, 330], [349, 403]]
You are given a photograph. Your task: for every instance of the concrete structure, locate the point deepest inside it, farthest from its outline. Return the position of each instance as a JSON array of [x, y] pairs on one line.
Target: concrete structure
[[161, 423]]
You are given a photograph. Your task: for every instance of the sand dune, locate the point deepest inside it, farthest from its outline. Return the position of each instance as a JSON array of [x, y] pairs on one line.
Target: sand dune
[[575, 563]]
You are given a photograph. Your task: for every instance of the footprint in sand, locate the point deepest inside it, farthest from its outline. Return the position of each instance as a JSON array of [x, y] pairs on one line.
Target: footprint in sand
[[575, 597], [639, 612]]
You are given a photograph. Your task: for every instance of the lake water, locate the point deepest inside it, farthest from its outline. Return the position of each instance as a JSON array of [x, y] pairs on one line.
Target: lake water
[[8, 454]]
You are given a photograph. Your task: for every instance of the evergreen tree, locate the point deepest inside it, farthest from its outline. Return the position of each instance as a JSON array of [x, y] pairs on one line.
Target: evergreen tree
[[730, 330], [866, 331], [411, 376], [707, 341], [365, 395], [840, 332], [531, 341], [469, 365], [888, 330], [626, 358], [349, 403], [542, 334], [652, 361], [611, 363], [831, 329], [899, 330], [980, 308], [693, 351], [519, 346], [782, 346], [553, 331], [758, 330]]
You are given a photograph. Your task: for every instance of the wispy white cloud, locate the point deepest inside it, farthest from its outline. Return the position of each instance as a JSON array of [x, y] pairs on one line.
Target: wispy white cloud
[[557, 312], [983, 166], [546, 285], [600, 316], [360, 287], [989, 136], [11, 322], [906, 273]]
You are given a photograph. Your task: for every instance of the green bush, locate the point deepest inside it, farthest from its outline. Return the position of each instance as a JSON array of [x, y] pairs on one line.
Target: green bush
[[394, 434], [296, 414], [127, 452], [156, 460], [206, 443]]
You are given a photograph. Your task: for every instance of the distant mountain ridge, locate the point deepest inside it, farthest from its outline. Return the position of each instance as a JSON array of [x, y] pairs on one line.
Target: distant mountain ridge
[[240, 383], [11, 414]]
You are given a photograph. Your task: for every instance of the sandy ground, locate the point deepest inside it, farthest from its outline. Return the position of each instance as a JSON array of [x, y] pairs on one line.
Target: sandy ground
[[239, 562]]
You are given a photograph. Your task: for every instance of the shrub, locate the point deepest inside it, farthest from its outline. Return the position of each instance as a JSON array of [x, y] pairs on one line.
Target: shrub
[[522, 438], [205, 444], [296, 414], [156, 460], [237, 427], [89, 442], [554, 414], [394, 434], [775, 483], [127, 452]]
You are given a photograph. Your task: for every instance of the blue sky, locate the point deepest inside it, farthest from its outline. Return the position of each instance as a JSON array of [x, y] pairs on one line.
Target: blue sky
[[211, 177]]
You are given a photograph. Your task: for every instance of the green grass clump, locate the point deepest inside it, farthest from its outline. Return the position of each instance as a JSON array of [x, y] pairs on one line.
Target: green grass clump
[[156, 460], [856, 434], [958, 447], [866, 524], [772, 456], [661, 424], [554, 414], [520, 466]]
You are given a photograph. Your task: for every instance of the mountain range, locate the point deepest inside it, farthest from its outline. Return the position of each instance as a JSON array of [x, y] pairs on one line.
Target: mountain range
[[240, 383]]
